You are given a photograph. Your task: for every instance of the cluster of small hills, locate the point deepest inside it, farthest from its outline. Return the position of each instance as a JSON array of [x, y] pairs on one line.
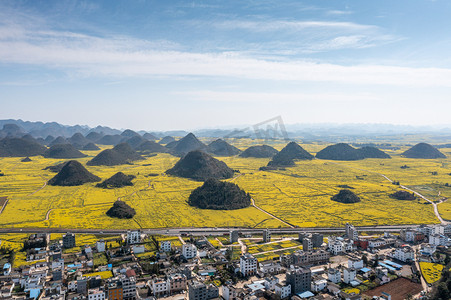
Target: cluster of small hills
[[403, 195], [118, 155], [287, 156], [215, 194], [260, 151], [196, 162], [344, 151]]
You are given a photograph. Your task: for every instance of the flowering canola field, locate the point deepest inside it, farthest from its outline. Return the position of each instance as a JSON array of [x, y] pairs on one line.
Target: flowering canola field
[[299, 195]]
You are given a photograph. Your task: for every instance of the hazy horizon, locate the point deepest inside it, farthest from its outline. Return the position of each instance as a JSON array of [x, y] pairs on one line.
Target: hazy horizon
[[213, 64]]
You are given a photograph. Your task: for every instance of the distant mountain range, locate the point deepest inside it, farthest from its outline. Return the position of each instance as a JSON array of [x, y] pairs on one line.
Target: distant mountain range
[[308, 132]]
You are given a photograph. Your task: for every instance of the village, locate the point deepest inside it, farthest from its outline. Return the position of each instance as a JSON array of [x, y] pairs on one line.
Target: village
[[350, 266]]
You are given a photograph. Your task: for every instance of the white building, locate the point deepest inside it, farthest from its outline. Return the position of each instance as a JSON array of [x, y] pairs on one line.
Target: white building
[[72, 285], [407, 235], [431, 230], [229, 292], [165, 246], [355, 263], [447, 229], [7, 269], [269, 268], [100, 246], [270, 283], [349, 275], [428, 249], [319, 285], [189, 251], [404, 254], [376, 243], [159, 286], [283, 290], [438, 239], [334, 275], [248, 264], [96, 294], [133, 237], [351, 232], [336, 247]]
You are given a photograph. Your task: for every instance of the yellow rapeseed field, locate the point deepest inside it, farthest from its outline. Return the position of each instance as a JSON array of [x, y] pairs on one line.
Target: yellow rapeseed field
[[431, 271], [299, 195]]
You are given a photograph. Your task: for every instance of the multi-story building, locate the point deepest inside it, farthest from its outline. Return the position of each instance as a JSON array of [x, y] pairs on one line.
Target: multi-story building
[[299, 278], [307, 244], [189, 251], [197, 291], [177, 283], [82, 285], [133, 237], [234, 235], [349, 275], [128, 287], [319, 285], [69, 240], [269, 268], [381, 242], [160, 287], [317, 240], [96, 294], [447, 229], [428, 249], [302, 258], [336, 247], [302, 235], [100, 246], [356, 263], [165, 246], [283, 290], [334, 275], [230, 292], [248, 264], [351, 232], [115, 291], [266, 236], [438, 239], [212, 291], [57, 274], [404, 254], [407, 235], [270, 283]]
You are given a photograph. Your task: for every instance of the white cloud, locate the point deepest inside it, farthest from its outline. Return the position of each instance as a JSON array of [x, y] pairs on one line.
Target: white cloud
[[268, 25], [122, 56], [256, 97]]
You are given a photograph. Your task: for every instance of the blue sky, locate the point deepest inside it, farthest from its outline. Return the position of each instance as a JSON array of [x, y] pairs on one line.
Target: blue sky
[[160, 65]]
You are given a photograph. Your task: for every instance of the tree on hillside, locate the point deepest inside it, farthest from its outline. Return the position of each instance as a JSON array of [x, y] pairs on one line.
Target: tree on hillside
[[442, 291]]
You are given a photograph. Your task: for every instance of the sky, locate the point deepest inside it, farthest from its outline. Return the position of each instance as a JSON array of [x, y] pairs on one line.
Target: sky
[[167, 65]]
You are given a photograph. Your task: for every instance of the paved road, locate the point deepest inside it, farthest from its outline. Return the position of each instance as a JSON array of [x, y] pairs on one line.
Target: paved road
[[208, 230]]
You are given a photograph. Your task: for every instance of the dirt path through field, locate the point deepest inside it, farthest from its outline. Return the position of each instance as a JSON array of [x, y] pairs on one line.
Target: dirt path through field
[[4, 204], [270, 214], [45, 184]]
